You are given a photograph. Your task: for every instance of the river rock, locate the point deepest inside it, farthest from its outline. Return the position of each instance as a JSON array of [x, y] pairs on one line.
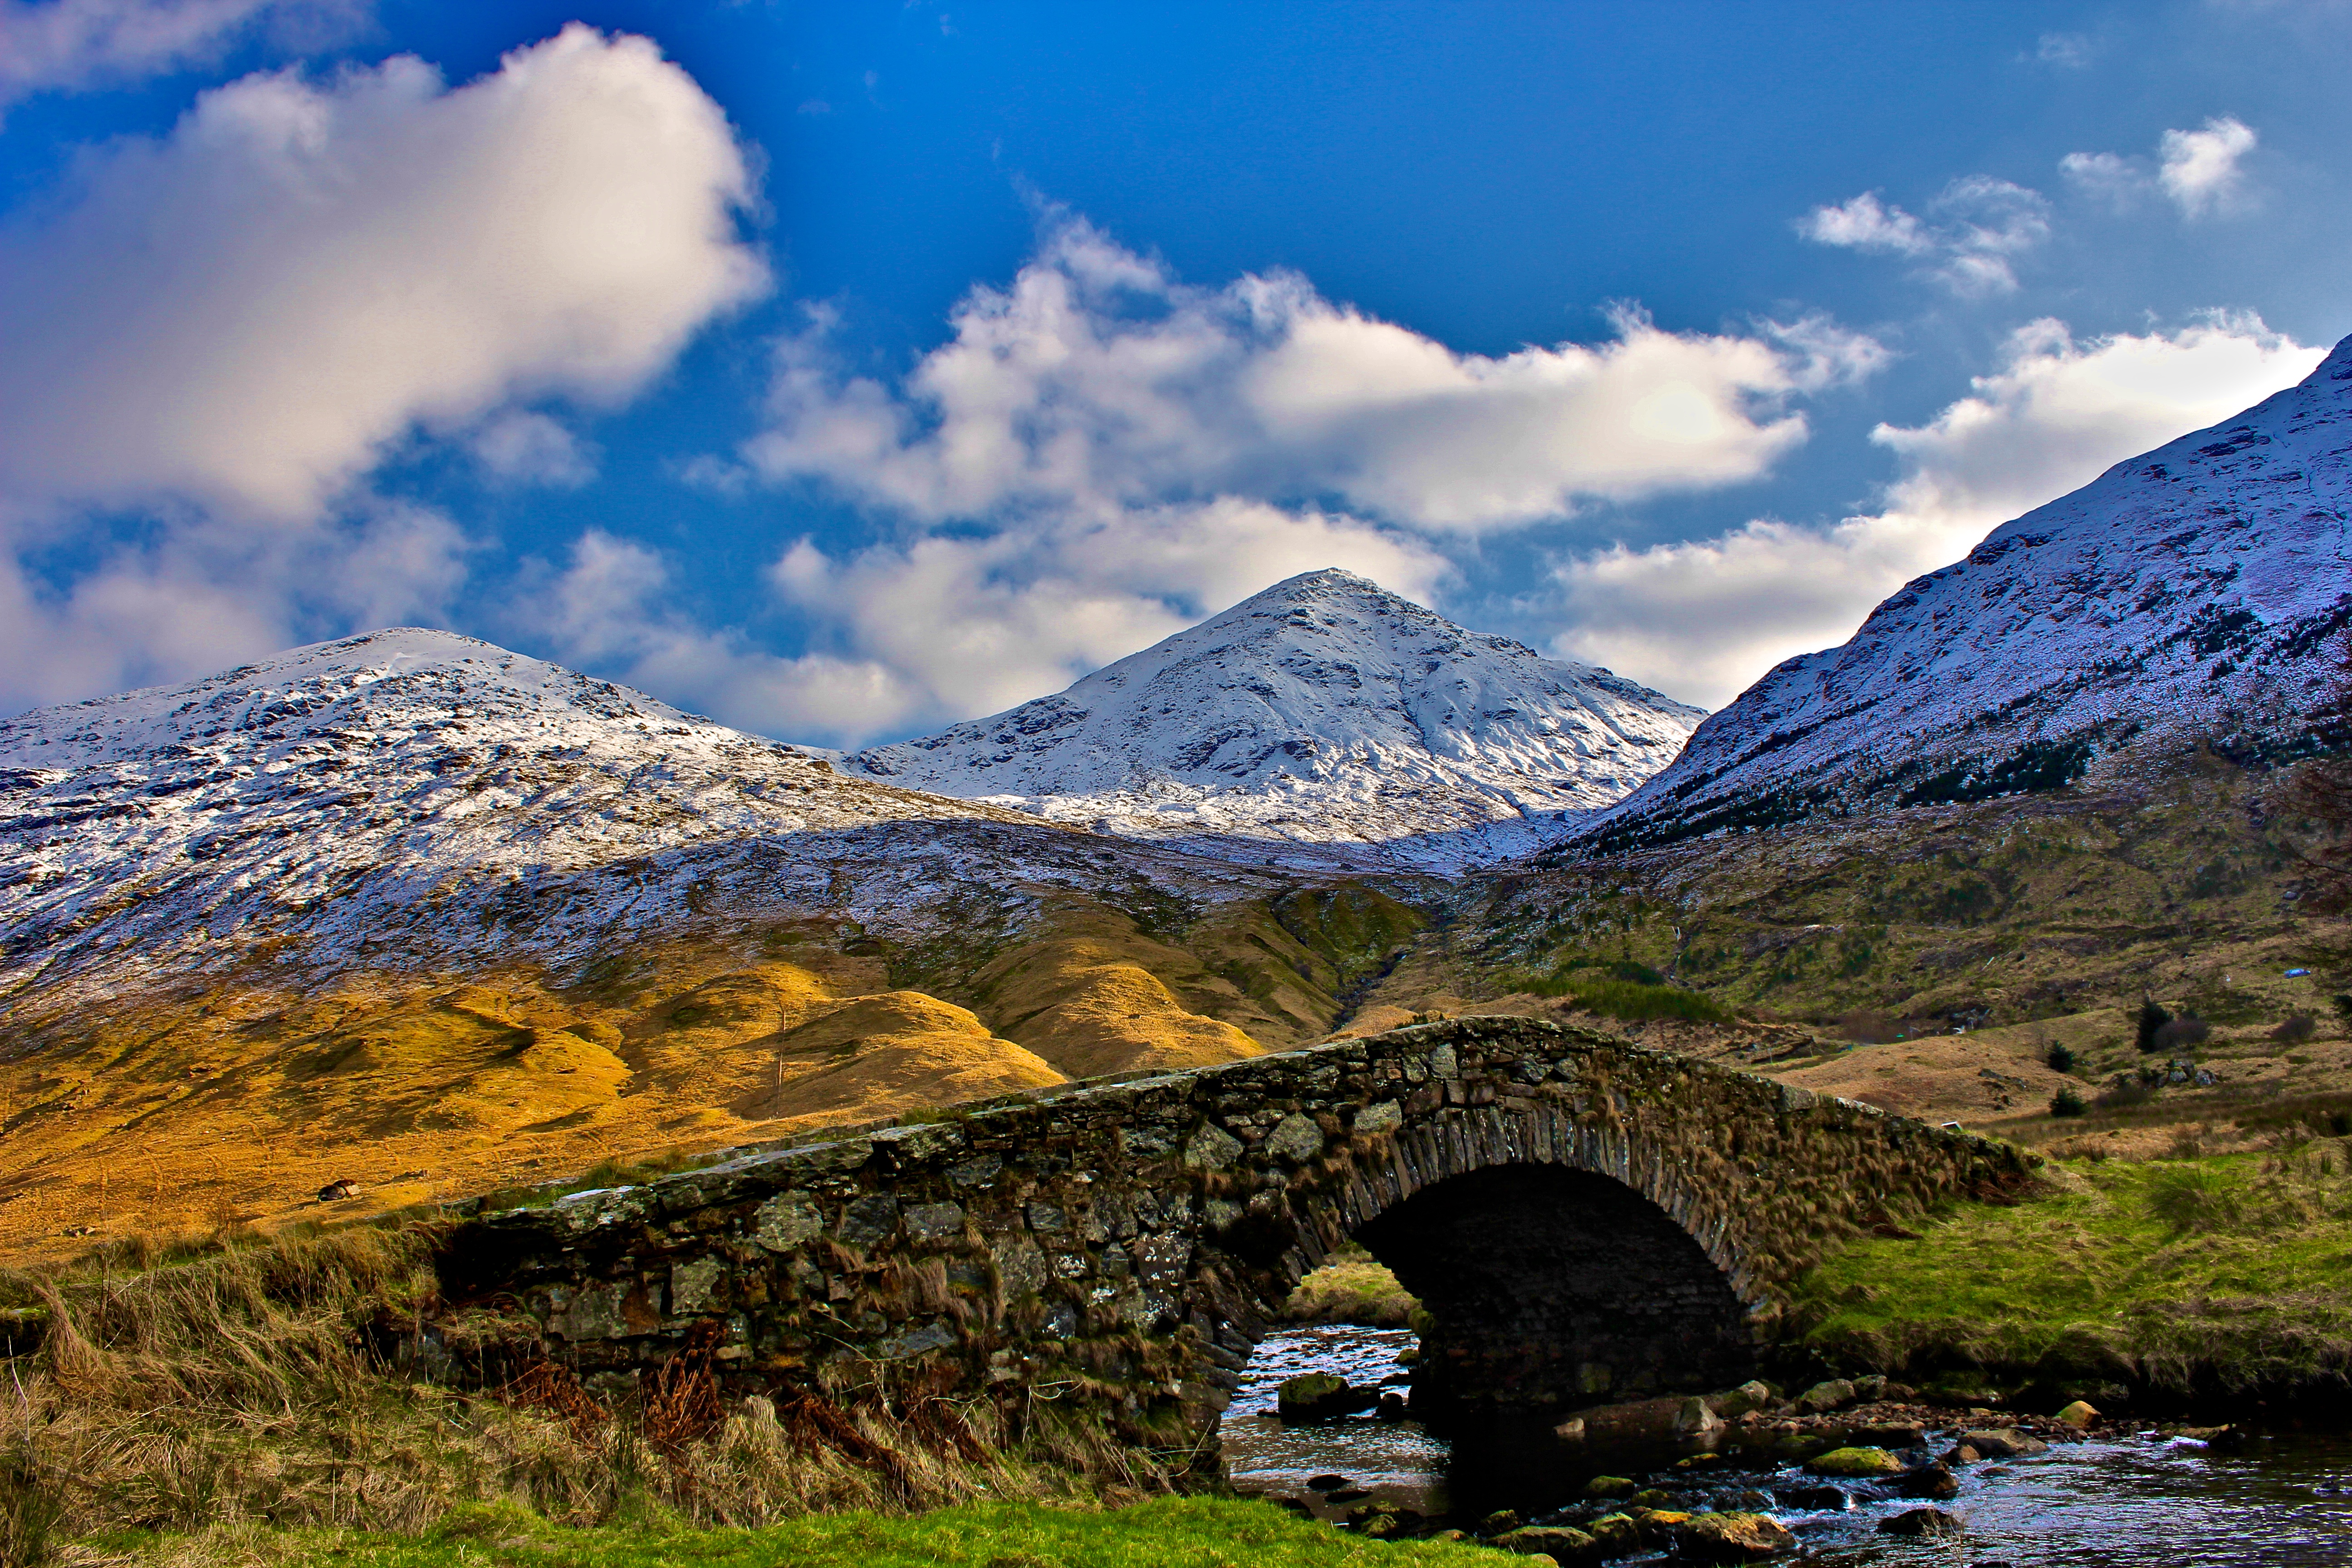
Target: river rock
[[1836, 1393], [1855, 1462], [1889, 1435], [1735, 1537], [1610, 1487], [1931, 1522], [1813, 1500], [1615, 1535], [1746, 1400], [2080, 1414], [2004, 1443], [1320, 1396], [1929, 1481], [1562, 1544], [1697, 1422]]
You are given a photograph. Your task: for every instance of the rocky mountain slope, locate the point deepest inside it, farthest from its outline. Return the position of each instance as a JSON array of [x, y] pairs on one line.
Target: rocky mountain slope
[[415, 912], [2187, 596], [1324, 709], [349, 792]]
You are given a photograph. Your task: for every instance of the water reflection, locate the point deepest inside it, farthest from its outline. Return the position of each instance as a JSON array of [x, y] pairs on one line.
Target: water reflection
[[2137, 1503]]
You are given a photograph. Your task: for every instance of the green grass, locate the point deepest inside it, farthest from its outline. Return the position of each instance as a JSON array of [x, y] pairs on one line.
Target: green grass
[[2226, 1273], [1171, 1532], [1624, 989], [1354, 1287]]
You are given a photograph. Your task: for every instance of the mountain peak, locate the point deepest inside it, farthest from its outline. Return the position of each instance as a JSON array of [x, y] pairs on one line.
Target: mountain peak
[[2189, 595], [1322, 708]]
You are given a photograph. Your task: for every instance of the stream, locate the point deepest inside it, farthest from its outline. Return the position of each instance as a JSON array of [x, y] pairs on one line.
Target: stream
[[2141, 1501]]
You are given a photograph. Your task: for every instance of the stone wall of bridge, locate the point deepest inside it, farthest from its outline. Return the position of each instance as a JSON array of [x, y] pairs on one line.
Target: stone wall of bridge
[[1581, 1218]]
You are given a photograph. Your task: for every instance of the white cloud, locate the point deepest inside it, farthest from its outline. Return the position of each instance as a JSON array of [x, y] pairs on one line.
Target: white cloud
[[2199, 171], [2199, 168], [2067, 51], [246, 311], [1704, 618], [2105, 175], [1098, 377], [1976, 228], [70, 44], [1100, 454], [523, 448], [213, 336]]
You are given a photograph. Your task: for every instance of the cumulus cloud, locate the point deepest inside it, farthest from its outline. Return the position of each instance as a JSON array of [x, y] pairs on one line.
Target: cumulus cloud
[[70, 44], [214, 335], [246, 311], [1100, 454], [1704, 618], [2199, 172], [1975, 230], [1097, 376]]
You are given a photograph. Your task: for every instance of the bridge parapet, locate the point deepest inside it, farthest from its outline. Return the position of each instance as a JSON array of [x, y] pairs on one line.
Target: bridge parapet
[[1580, 1216]]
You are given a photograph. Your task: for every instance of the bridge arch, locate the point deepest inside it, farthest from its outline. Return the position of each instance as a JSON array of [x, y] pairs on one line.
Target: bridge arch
[[1582, 1218]]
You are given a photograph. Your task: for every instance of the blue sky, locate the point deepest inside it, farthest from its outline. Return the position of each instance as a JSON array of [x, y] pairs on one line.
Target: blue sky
[[841, 370]]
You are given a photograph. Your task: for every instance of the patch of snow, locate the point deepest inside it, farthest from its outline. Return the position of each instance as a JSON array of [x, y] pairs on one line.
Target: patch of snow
[[2191, 594], [1324, 710]]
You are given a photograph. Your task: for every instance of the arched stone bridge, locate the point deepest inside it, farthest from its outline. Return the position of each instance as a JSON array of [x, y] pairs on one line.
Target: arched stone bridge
[[1581, 1218]]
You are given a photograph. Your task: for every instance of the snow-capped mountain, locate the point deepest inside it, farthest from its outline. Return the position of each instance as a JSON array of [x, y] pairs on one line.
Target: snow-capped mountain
[[2190, 594], [1323, 709], [348, 788]]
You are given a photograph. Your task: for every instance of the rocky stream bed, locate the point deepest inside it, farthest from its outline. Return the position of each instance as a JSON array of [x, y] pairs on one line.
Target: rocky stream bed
[[1841, 1474]]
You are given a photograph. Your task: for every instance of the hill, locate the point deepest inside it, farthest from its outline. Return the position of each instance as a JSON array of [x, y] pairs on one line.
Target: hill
[[1322, 711], [2185, 597]]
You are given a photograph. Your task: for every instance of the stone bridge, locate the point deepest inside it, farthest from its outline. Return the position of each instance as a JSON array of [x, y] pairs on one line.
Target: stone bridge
[[1580, 1218]]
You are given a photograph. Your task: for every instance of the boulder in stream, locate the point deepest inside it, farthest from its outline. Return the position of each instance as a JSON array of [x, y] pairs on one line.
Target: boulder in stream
[[1561, 1543], [1931, 1523], [1735, 1537], [2004, 1443], [1855, 1463]]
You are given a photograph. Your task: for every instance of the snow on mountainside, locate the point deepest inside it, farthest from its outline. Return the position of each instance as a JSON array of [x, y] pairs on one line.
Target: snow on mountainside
[[345, 781], [1322, 709], [2190, 594]]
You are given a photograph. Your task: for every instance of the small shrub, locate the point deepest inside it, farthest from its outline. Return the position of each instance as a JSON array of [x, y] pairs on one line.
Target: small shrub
[[2059, 1059], [2193, 1198], [2295, 1030], [2344, 1011], [2186, 1030], [2066, 1102], [2152, 1019]]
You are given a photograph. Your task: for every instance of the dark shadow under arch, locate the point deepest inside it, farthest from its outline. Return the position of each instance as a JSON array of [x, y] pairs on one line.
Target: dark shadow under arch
[[1548, 1288]]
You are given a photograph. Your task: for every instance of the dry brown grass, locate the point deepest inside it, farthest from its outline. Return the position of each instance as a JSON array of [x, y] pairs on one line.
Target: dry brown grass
[[257, 1383]]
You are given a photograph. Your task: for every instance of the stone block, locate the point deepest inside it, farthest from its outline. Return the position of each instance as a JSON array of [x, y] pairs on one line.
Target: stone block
[[931, 1224], [694, 1286], [1296, 1138], [786, 1221]]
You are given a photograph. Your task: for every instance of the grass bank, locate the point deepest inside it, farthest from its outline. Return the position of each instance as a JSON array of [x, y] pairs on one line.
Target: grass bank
[[2171, 1278], [254, 1386], [1168, 1532]]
